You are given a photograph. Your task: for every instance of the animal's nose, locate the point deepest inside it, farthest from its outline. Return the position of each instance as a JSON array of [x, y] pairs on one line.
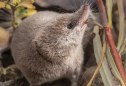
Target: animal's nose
[[84, 17]]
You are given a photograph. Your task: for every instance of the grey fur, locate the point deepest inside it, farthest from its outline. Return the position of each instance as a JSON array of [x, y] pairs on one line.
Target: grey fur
[[44, 49]]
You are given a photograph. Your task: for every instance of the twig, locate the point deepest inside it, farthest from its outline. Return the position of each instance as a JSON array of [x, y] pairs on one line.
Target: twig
[[111, 43], [13, 17], [99, 65], [13, 8]]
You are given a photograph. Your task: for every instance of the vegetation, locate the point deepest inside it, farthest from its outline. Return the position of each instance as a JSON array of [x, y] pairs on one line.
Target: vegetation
[[109, 42]]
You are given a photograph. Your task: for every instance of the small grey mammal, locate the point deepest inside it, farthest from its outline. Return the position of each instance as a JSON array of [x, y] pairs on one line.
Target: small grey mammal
[[48, 46]]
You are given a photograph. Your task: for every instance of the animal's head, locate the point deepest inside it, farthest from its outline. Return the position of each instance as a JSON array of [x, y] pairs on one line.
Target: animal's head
[[63, 33], [68, 28]]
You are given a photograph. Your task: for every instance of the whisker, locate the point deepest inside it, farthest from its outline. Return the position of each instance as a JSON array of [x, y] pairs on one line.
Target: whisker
[[92, 2], [92, 6], [94, 11], [83, 1], [86, 1]]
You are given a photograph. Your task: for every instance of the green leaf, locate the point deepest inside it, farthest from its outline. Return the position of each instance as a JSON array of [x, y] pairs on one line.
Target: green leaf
[[105, 70]]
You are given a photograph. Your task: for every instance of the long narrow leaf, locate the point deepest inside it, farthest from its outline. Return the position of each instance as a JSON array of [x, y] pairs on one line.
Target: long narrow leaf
[[105, 70]]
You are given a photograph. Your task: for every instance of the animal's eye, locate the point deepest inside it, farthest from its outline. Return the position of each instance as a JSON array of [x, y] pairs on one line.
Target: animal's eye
[[70, 26]]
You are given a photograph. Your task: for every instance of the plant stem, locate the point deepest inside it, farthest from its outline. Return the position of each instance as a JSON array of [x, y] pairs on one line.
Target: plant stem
[[13, 16], [110, 40], [99, 65]]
